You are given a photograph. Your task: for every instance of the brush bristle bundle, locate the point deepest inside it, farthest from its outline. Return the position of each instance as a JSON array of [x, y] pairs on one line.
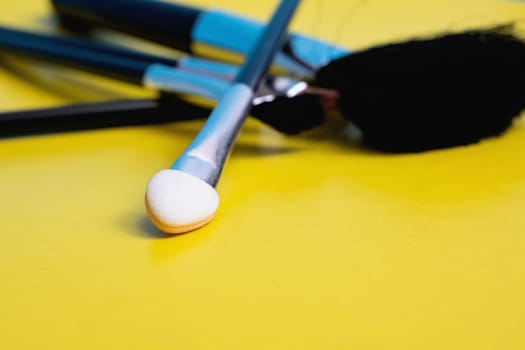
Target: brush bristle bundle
[[425, 94], [291, 115]]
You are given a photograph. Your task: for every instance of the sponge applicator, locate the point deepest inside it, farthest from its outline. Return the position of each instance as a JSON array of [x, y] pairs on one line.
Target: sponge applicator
[[183, 198], [178, 202]]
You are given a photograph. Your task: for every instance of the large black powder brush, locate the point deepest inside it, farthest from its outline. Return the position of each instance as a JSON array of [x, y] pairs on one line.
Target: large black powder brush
[[432, 93], [422, 94]]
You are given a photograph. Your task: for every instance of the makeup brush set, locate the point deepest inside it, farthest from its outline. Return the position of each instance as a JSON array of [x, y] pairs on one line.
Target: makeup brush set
[[411, 96]]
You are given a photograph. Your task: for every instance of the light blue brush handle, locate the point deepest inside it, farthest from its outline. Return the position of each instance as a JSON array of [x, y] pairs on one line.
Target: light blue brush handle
[[186, 28], [302, 54]]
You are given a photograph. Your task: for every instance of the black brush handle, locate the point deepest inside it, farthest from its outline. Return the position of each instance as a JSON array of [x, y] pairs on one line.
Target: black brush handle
[[96, 115], [164, 23], [77, 53]]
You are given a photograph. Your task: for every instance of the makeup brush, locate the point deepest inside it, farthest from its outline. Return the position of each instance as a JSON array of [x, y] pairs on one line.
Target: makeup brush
[[193, 30], [98, 115], [183, 198], [275, 106], [421, 94]]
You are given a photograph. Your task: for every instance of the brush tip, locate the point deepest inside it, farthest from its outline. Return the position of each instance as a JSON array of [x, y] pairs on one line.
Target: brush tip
[[424, 94], [291, 115], [178, 202]]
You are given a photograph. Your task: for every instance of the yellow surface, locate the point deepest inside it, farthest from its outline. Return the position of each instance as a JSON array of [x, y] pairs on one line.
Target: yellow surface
[[317, 244]]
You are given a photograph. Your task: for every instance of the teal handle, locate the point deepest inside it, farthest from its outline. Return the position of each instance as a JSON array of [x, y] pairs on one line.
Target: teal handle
[[181, 27]]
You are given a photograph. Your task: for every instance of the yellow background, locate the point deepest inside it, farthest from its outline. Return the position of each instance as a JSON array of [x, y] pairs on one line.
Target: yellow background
[[317, 244]]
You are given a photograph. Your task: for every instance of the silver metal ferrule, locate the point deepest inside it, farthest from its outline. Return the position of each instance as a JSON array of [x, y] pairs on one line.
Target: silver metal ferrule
[[270, 85], [206, 155], [172, 79], [211, 68], [200, 78], [183, 80]]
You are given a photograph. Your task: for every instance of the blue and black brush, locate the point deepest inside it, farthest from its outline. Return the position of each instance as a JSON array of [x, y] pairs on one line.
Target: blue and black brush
[[187, 75], [421, 94]]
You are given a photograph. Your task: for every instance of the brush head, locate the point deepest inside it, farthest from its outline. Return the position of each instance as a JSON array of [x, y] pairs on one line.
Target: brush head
[[178, 202], [291, 115], [432, 93]]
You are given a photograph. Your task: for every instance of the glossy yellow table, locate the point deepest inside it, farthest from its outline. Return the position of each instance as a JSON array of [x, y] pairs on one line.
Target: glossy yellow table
[[318, 244]]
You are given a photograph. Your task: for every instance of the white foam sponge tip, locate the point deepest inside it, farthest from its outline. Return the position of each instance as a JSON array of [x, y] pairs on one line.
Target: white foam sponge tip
[[176, 198]]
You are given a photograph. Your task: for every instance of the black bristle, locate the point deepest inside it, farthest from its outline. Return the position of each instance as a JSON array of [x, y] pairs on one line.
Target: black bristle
[[427, 94], [291, 115]]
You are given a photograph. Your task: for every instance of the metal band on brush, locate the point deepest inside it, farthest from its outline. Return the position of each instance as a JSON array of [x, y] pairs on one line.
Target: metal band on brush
[[205, 156]]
